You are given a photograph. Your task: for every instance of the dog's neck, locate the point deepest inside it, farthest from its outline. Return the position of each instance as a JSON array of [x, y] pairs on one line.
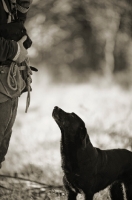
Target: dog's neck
[[69, 155], [87, 152], [72, 157], [87, 158]]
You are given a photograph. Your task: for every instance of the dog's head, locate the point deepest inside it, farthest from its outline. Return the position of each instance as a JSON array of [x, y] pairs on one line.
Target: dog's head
[[71, 125]]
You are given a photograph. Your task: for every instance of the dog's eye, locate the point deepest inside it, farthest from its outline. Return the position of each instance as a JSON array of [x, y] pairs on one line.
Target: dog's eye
[[65, 123]]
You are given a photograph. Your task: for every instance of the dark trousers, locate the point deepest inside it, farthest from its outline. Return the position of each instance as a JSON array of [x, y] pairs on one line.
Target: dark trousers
[[8, 111]]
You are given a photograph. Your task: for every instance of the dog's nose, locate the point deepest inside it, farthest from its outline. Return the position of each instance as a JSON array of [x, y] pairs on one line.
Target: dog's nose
[[55, 111], [56, 108]]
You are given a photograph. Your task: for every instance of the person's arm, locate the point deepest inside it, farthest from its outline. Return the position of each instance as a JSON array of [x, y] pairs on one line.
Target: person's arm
[[11, 50], [8, 49], [22, 8]]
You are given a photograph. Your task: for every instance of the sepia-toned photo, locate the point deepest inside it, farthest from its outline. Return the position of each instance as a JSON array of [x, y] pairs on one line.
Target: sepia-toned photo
[[65, 100]]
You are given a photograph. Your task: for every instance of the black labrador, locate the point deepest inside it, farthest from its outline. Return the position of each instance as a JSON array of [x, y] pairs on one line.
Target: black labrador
[[88, 169]]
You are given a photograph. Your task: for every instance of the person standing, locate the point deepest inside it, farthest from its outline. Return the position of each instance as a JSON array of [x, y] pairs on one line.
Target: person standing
[[13, 55]]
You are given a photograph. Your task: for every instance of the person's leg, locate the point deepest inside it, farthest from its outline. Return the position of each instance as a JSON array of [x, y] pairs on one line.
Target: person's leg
[[8, 112]]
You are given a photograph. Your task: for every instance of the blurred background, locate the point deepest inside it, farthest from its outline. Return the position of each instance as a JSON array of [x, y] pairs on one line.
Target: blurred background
[[83, 51]]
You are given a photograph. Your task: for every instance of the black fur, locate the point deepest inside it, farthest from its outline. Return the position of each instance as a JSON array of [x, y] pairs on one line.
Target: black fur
[[88, 169]]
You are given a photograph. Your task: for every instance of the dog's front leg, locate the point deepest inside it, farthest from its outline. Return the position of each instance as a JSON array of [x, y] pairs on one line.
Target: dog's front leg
[[88, 196], [71, 195]]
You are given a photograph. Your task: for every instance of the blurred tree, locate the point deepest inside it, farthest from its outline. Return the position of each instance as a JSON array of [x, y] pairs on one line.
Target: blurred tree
[[123, 46], [82, 35]]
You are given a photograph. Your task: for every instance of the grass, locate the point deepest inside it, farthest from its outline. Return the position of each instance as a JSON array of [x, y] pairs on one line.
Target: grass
[[34, 150]]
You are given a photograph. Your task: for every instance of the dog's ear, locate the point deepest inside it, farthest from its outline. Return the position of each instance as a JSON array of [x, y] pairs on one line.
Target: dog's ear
[[83, 136], [82, 133]]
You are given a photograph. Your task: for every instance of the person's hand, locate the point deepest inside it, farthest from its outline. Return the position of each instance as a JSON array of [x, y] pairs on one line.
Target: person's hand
[[23, 52]]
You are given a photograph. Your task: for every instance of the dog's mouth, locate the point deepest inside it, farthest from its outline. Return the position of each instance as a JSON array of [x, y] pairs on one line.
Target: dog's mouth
[[57, 114]]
